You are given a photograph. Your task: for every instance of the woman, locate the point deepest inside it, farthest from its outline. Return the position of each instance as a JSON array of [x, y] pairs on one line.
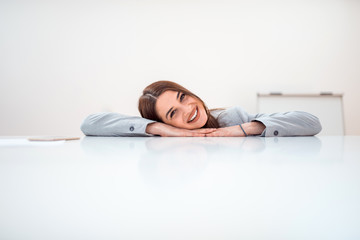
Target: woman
[[170, 110]]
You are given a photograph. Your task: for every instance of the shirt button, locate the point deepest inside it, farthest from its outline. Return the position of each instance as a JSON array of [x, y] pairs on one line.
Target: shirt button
[[131, 128], [276, 133]]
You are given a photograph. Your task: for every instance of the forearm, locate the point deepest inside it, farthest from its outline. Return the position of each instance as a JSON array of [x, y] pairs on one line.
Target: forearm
[[250, 128], [165, 130], [154, 128], [289, 124], [114, 124]]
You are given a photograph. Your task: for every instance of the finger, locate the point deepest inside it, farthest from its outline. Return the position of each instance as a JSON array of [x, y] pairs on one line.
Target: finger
[[196, 135], [214, 134], [199, 135], [204, 130]]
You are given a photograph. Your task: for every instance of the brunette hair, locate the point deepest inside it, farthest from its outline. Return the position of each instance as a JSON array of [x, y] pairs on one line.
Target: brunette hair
[[151, 93]]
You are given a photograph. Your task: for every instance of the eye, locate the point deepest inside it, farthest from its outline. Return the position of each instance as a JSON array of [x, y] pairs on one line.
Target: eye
[[172, 113], [182, 97]]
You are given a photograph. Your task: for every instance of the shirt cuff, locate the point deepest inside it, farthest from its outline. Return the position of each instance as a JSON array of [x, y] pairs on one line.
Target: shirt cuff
[[269, 131], [140, 128]]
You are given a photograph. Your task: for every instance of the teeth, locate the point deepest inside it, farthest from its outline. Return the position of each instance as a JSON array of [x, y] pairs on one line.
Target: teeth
[[194, 116]]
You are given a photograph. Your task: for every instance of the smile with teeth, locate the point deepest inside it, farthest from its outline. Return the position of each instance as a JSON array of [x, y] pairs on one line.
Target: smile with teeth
[[194, 116]]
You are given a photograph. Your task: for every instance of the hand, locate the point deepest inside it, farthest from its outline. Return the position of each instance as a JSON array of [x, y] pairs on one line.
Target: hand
[[234, 131], [251, 129], [166, 130]]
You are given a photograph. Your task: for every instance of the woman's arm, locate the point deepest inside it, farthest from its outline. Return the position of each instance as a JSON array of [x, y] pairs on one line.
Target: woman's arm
[[287, 124], [277, 124], [114, 125], [250, 128], [166, 130], [120, 125]]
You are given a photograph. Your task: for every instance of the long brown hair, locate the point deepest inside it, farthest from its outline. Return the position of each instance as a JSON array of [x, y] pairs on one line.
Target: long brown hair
[[151, 93]]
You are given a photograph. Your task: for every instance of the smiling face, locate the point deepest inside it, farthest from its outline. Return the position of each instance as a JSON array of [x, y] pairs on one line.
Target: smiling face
[[181, 110]]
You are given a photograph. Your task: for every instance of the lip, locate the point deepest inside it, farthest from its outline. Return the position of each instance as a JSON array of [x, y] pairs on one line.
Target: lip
[[192, 114]]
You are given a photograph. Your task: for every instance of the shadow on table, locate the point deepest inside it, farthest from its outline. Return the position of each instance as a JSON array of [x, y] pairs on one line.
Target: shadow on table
[[178, 161]]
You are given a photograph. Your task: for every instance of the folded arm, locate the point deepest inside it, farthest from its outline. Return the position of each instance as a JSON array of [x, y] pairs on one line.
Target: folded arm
[[285, 124], [266, 125], [120, 125], [115, 125]]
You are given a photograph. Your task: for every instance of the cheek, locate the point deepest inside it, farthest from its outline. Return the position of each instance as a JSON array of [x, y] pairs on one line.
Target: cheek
[[176, 122], [203, 118]]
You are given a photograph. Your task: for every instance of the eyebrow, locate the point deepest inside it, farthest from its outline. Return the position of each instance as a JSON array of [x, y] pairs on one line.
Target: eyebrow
[[177, 97]]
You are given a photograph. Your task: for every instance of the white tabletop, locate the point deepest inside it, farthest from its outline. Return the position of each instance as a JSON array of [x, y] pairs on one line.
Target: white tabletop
[[181, 188]]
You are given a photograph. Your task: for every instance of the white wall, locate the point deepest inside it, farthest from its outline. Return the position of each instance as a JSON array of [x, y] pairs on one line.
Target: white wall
[[62, 60]]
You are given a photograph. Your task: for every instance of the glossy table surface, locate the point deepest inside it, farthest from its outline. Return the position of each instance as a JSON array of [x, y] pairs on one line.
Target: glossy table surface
[[181, 188]]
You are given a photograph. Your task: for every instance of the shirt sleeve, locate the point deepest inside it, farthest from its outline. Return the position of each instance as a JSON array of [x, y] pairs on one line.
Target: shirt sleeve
[[284, 124], [287, 124], [115, 125]]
